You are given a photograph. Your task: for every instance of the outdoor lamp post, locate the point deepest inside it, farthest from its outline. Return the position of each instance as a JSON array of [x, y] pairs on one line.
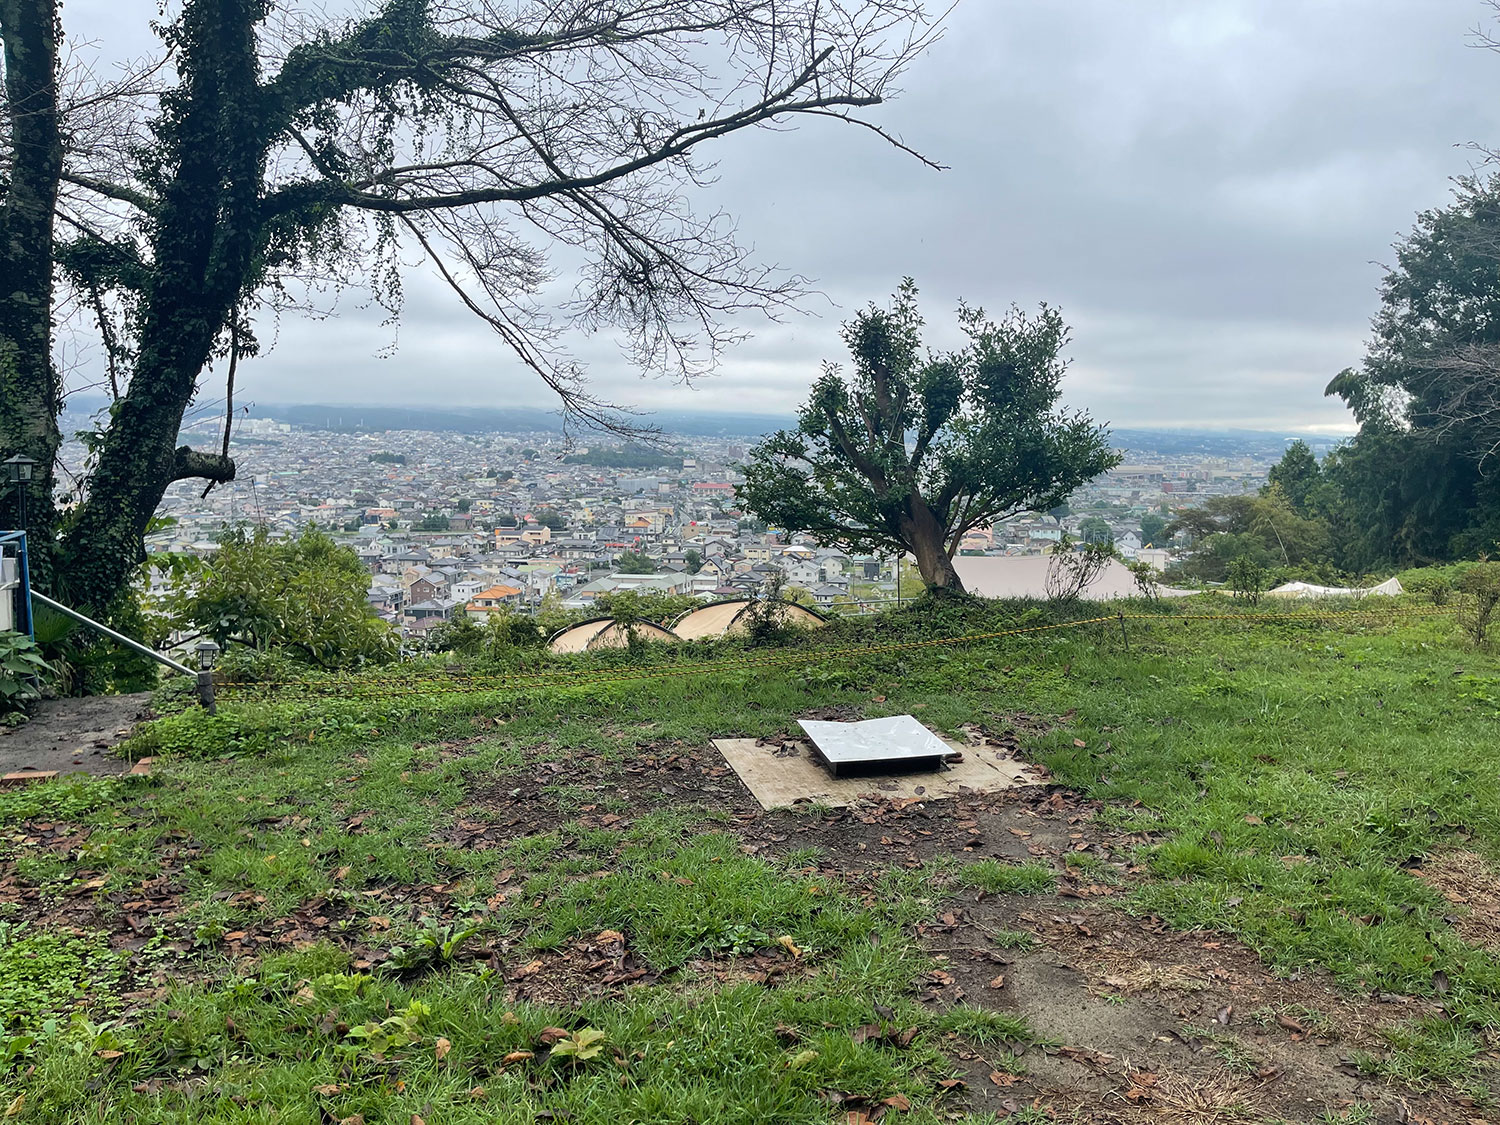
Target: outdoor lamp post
[[18, 472], [206, 650]]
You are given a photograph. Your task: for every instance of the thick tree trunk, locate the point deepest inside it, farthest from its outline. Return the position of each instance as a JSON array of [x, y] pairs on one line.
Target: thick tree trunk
[[29, 390], [205, 238], [928, 542]]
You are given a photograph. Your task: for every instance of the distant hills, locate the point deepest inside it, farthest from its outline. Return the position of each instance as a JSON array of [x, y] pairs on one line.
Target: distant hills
[[524, 419], [480, 420]]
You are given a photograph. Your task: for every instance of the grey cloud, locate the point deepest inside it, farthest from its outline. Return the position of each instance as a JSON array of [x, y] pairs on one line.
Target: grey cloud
[[1204, 187]]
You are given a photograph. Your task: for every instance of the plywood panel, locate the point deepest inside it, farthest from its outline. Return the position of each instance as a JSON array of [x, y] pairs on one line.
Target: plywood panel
[[786, 774]]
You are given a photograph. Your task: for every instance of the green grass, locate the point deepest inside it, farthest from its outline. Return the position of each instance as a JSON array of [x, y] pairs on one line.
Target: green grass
[[1284, 772], [994, 877]]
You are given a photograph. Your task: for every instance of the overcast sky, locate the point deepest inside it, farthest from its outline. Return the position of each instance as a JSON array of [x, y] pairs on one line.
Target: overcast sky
[[1206, 188]]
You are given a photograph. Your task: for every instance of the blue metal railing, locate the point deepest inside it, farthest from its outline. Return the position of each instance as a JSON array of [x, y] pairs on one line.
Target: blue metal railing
[[13, 544]]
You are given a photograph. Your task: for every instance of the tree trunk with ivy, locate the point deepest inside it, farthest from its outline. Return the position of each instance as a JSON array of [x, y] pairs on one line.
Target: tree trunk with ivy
[[203, 246], [29, 390]]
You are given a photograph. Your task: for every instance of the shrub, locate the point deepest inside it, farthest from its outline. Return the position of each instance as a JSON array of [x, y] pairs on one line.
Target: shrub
[[1247, 579], [305, 596], [1482, 584], [23, 672], [1069, 571], [1146, 580]]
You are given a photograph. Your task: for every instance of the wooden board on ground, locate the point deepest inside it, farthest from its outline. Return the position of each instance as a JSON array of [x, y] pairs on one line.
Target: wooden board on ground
[[783, 774]]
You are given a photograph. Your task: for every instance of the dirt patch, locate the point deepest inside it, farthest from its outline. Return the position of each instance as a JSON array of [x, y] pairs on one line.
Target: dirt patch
[[1470, 883], [74, 735], [1138, 1013]]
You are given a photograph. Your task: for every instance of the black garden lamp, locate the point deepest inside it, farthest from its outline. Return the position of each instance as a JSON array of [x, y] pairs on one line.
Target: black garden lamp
[[18, 470]]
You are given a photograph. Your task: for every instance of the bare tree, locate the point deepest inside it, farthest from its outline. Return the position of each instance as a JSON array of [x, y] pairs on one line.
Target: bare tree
[[264, 157]]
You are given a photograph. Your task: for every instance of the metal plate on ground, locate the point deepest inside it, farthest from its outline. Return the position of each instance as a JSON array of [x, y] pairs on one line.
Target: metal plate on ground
[[784, 774], [895, 743]]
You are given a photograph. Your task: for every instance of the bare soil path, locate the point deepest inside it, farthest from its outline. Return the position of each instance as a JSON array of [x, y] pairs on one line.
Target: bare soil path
[[73, 735]]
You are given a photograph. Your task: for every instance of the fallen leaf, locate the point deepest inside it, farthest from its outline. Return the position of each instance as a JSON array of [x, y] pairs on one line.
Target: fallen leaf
[[609, 937], [517, 1057], [997, 982], [1000, 1078], [327, 1091], [16, 1106], [898, 1101], [786, 942], [443, 1047], [417, 1120], [1251, 818], [801, 1059], [1297, 1030], [1080, 743]]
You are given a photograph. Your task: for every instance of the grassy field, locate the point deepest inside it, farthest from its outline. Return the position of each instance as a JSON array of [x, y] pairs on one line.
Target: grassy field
[[555, 903]]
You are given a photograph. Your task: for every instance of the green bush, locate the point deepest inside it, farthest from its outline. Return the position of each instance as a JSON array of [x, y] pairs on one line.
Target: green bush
[[1481, 587], [23, 672], [305, 597], [1247, 579]]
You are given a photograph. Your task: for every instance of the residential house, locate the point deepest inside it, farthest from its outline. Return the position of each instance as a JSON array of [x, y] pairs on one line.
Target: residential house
[[493, 599]]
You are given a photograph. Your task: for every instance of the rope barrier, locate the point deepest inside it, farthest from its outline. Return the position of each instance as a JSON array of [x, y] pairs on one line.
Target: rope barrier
[[458, 683]]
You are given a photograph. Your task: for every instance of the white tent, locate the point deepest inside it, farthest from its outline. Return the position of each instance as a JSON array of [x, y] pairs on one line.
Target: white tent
[[1390, 587]]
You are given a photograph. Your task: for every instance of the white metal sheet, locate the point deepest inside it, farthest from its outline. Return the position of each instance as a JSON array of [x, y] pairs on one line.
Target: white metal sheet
[[892, 739]]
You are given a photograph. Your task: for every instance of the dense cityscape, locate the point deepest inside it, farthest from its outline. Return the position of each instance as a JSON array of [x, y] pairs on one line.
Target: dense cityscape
[[451, 523]]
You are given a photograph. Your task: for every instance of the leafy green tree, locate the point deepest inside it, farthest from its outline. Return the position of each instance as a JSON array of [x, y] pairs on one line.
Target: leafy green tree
[[551, 518], [464, 505], [1153, 530], [635, 562], [1262, 529], [305, 596], [693, 559], [1418, 483], [1297, 475], [434, 521], [908, 451], [201, 191], [645, 605], [1247, 579]]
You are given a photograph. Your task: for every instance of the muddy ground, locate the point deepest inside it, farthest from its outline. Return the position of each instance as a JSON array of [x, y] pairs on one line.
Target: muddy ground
[[74, 735]]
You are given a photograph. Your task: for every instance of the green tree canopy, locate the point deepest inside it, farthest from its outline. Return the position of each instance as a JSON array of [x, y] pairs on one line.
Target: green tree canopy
[[1297, 474], [305, 596], [1153, 530], [1095, 529], [909, 449], [635, 562], [1419, 481]]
